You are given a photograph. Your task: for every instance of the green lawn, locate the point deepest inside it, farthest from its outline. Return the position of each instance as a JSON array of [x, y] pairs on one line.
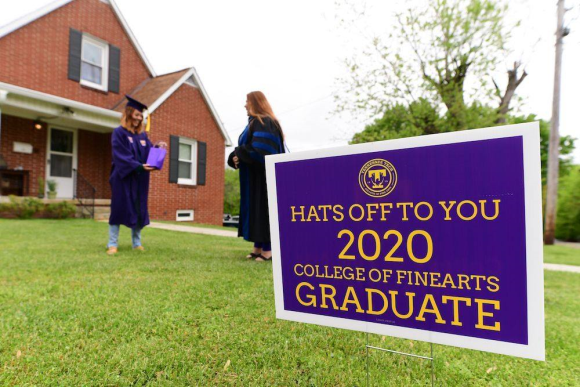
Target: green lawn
[[191, 311], [562, 255]]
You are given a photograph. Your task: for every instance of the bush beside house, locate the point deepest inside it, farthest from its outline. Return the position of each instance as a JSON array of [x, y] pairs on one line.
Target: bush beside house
[[568, 217], [29, 208]]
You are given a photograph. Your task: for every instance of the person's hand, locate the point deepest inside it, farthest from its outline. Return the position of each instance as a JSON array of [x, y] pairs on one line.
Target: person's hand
[[148, 168], [236, 161], [161, 144]]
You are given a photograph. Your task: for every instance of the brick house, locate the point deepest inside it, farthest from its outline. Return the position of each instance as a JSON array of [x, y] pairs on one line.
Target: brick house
[[64, 71]]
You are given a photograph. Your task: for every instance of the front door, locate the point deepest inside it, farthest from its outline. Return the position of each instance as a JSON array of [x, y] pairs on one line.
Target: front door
[[62, 160]]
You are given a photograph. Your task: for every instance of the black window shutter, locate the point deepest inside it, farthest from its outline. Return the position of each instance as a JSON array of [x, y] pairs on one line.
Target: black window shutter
[[114, 68], [74, 54], [201, 162], [173, 159]]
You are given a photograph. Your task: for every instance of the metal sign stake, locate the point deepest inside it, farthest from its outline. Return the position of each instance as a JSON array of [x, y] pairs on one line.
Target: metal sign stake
[[430, 358]]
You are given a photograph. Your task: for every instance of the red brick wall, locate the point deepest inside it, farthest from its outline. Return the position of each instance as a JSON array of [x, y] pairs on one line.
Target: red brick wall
[[185, 114], [22, 130], [94, 160], [36, 55]]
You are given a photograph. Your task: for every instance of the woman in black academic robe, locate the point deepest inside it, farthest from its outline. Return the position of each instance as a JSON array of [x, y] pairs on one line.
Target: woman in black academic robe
[[262, 136]]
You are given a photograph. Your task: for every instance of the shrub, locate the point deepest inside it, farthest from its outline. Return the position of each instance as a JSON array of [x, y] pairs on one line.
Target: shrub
[[568, 217], [62, 210], [26, 208], [232, 192], [41, 187], [51, 185], [33, 208]]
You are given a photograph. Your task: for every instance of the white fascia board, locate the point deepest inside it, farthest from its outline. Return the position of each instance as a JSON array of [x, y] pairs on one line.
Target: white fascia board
[[132, 37], [170, 91], [8, 88], [29, 18], [192, 73]]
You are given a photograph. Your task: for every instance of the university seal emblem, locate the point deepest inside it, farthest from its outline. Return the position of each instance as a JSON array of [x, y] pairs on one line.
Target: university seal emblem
[[377, 178]]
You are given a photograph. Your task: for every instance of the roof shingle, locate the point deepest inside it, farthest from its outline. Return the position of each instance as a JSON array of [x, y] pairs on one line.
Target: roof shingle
[[151, 89]]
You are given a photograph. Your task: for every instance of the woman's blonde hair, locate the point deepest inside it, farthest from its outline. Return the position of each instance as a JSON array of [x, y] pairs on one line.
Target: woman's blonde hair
[[260, 108], [127, 120]]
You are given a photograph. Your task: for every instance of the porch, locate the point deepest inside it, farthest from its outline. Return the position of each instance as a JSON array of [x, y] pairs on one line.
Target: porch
[[45, 139]]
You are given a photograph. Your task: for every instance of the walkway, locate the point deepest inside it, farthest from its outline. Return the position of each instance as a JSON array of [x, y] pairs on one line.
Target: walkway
[[194, 230], [558, 267], [233, 234], [574, 245]]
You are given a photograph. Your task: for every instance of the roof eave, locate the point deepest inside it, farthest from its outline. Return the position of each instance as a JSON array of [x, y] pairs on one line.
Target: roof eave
[[32, 16], [29, 18]]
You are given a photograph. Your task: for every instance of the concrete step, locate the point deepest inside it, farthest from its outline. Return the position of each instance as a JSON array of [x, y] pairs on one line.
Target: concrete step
[[102, 217], [98, 210], [98, 202], [101, 213]]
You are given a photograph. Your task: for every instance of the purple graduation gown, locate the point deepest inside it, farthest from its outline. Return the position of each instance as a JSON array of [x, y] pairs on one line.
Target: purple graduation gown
[[129, 181]]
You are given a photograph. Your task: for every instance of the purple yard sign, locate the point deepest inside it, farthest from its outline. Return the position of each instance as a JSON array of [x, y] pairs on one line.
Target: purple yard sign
[[434, 238]]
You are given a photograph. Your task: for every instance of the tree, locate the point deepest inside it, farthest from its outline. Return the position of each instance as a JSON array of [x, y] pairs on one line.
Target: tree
[[569, 207], [232, 192], [448, 43], [567, 146], [419, 118], [553, 157]]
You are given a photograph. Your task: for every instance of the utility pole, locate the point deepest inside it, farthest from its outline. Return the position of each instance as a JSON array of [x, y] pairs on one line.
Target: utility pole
[[554, 148]]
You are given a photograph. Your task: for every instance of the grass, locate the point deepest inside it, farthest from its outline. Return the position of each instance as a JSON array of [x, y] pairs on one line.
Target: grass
[[190, 311], [562, 255]]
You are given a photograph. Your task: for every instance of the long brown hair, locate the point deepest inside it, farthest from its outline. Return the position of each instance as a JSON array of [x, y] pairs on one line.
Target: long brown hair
[[127, 120], [260, 108]]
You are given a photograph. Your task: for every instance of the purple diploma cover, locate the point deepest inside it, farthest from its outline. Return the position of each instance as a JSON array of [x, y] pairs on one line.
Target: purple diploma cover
[[156, 157], [434, 238]]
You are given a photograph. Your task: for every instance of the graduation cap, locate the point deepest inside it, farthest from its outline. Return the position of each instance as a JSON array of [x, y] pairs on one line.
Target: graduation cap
[[141, 107], [135, 104]]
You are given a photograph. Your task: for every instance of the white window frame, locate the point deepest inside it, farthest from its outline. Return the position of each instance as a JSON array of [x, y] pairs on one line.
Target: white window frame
[[193, 161], [104, 85]]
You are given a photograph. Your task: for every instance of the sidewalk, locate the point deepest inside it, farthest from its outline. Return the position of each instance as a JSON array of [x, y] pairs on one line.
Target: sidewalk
[[234, 234], [558, 267], [193, 229], [574, 245]]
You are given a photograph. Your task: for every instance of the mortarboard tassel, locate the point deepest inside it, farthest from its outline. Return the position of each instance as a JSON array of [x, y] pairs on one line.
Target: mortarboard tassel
[[148, 125]]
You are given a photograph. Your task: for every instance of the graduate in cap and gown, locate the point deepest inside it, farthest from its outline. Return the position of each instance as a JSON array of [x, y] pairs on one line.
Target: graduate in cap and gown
[[129, 177], [262, 136]]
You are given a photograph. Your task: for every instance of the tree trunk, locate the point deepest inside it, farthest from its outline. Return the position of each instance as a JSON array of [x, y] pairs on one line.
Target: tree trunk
[[513, 83], [553, 152]]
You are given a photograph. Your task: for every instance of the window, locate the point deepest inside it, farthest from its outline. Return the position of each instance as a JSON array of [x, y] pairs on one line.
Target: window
[[94, 63], [187, 162], [184, 215]]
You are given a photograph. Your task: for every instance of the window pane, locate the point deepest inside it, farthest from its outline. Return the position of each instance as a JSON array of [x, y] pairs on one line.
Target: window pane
[[60, 166], [91, 73], [184, 152], [61, 141], [92, 54], [184, 170]]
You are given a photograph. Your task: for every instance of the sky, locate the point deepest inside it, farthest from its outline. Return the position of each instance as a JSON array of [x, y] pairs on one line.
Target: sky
[[293, 51]]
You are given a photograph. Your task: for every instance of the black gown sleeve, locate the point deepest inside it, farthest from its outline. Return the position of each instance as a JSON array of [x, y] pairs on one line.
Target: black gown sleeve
[[231, 160], [263, 140]]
